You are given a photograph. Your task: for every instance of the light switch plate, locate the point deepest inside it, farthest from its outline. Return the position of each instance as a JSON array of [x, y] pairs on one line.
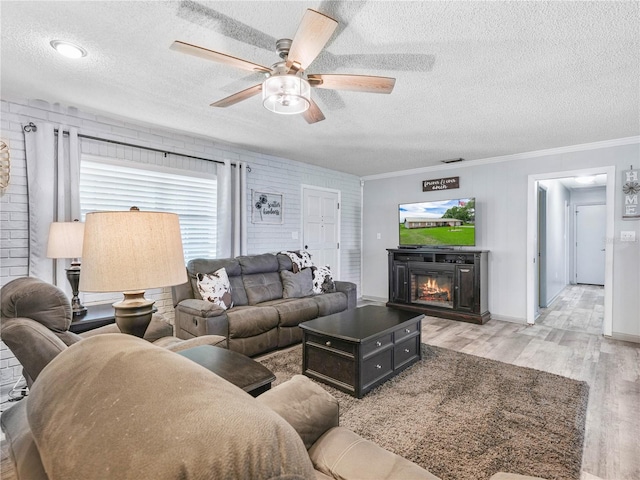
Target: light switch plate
[[627, 236]]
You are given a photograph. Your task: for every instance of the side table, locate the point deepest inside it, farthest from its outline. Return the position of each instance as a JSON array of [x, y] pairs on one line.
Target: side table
[[244, 372], [96, 316]]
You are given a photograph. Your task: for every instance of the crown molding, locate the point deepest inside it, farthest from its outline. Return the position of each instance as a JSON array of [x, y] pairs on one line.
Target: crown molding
[[507, 158]]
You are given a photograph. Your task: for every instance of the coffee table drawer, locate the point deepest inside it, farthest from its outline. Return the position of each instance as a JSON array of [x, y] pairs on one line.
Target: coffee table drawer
[[406, 351], [411, 329], [332, 343], [379, 343], [376, 367]]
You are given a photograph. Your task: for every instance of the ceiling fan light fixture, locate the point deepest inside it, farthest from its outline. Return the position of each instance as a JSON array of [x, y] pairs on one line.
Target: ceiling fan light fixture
[[286, 94], [68, 49]]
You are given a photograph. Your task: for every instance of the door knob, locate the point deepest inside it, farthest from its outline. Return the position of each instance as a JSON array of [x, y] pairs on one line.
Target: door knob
[[306, 247]]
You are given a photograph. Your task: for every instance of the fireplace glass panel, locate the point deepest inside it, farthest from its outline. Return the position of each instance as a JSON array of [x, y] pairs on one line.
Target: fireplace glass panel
[[432, 288]]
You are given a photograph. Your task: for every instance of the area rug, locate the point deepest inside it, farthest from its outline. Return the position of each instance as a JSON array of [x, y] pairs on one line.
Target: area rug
[[464, 417]]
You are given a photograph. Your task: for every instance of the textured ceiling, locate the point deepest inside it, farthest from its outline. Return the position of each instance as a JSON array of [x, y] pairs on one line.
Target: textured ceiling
[[474, 79]]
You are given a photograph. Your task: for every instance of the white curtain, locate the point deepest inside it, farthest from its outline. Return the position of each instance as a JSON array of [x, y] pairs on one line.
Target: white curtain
[[232, 210], [53, 177]]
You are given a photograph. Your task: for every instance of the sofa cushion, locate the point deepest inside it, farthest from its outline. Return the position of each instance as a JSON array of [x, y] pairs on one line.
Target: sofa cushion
[[330, 303], [215, 287], [22, 448], [292, 311], [308, 407], [250, 321], [30, 297], [262, 287], [340, 453], [264, 263], [296, 285], [141, 401]]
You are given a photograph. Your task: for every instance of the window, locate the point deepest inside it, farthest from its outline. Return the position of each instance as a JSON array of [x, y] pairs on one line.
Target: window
[[107, 186]]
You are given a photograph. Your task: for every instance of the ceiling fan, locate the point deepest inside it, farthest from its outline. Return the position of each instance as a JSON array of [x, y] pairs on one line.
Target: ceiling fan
[[286, 89]]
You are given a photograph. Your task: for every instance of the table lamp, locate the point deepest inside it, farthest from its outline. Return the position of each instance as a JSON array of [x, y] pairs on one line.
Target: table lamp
[[129, 252], [65, 241]]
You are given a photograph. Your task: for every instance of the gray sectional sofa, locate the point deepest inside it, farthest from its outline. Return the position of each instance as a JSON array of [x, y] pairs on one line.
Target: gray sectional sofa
[[262, 318]]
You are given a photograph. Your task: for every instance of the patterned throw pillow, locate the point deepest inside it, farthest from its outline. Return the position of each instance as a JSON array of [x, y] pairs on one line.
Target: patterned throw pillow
[[323, 280], [215, 287], [299, 259]]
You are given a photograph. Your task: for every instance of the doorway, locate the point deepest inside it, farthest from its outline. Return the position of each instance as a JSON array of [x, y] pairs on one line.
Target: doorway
[[533, 239], [590, 244], [542, 249], [321, 226]]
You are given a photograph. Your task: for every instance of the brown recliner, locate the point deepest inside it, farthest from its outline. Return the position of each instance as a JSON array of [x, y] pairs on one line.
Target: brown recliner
[[35, 325]]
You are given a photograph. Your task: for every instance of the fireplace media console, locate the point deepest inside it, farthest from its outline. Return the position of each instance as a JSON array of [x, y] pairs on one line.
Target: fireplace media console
[[443, 283]]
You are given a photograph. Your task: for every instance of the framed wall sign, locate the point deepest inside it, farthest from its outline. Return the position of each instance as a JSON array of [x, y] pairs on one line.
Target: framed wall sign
[[440, 184], [631, 193], [266, 207]]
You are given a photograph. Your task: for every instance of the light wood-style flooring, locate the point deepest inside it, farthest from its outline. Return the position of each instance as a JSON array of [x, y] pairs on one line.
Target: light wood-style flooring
[[566, 340]]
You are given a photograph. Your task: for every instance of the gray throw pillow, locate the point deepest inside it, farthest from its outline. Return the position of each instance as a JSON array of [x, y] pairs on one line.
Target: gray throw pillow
[[296, 285]]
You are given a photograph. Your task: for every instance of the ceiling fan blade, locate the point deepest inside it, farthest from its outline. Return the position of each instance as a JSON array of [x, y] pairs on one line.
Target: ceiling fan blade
[[313, 33], [238, 97], [313, 114], [355, 83], [207, 54]]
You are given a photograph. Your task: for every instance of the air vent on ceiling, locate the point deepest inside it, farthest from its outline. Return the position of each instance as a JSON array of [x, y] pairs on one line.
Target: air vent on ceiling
[[452, 160]]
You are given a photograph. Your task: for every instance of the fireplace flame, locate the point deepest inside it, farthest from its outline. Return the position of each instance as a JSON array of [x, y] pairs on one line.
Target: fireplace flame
[[432, 291]]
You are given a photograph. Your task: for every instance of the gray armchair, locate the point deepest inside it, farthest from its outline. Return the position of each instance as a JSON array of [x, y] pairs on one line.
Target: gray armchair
[[35, 326]]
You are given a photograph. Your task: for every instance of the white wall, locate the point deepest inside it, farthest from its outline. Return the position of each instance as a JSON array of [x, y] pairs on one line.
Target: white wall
[[278, 175], [500, 189], [281, 175]]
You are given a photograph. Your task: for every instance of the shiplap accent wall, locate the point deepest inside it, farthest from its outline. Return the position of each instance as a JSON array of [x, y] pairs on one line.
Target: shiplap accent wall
[[267, 173]]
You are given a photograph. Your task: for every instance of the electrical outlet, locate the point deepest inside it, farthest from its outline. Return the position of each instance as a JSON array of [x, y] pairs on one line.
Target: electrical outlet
[[627, 236], [294, 235], [378, 236]]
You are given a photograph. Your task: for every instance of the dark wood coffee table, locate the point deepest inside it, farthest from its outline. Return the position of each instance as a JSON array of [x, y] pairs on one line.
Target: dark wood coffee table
[[357, 350], [251, 376]]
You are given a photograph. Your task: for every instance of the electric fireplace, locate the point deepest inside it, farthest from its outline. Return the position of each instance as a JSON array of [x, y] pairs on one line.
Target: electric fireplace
[[432, 288], [443, 283]]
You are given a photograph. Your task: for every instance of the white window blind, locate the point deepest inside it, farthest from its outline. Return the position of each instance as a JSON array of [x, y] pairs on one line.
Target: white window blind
[[109, 187]]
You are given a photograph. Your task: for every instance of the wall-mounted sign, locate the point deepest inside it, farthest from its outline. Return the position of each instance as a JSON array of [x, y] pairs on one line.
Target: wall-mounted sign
[[631, 192], [267, 207], [440, 184]]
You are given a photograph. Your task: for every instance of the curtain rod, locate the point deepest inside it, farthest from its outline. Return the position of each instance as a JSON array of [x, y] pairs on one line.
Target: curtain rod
[[31, 127]]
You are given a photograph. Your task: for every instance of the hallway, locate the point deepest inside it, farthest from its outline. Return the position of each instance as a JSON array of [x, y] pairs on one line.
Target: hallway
[[578, 308]]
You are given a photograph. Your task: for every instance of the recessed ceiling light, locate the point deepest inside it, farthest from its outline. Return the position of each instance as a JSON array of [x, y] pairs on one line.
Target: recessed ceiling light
[[68, 49], [586, 180]]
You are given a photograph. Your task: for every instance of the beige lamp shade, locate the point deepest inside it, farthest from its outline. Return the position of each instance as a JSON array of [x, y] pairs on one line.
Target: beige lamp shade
[[65, 240], [131, 251]]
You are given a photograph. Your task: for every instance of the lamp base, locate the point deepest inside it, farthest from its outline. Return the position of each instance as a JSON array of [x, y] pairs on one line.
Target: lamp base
[[73, 275], [133, 314]]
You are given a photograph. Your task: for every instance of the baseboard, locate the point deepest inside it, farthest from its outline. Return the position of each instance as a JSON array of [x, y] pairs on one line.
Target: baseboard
[[368, 298], [504, 318], [625, 337]]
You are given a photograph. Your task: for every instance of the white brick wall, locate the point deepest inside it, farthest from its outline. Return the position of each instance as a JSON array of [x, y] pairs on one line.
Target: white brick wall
[[267, 173]]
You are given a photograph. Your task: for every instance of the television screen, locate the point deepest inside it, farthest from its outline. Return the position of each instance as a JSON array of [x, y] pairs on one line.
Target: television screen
[[438, 223]]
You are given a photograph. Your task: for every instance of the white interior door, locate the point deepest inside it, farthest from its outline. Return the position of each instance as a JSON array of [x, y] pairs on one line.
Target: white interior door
[[321, 227], [590, 243]]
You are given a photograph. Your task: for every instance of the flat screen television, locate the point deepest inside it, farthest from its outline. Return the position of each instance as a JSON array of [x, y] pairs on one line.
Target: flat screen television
[[444, 223]]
